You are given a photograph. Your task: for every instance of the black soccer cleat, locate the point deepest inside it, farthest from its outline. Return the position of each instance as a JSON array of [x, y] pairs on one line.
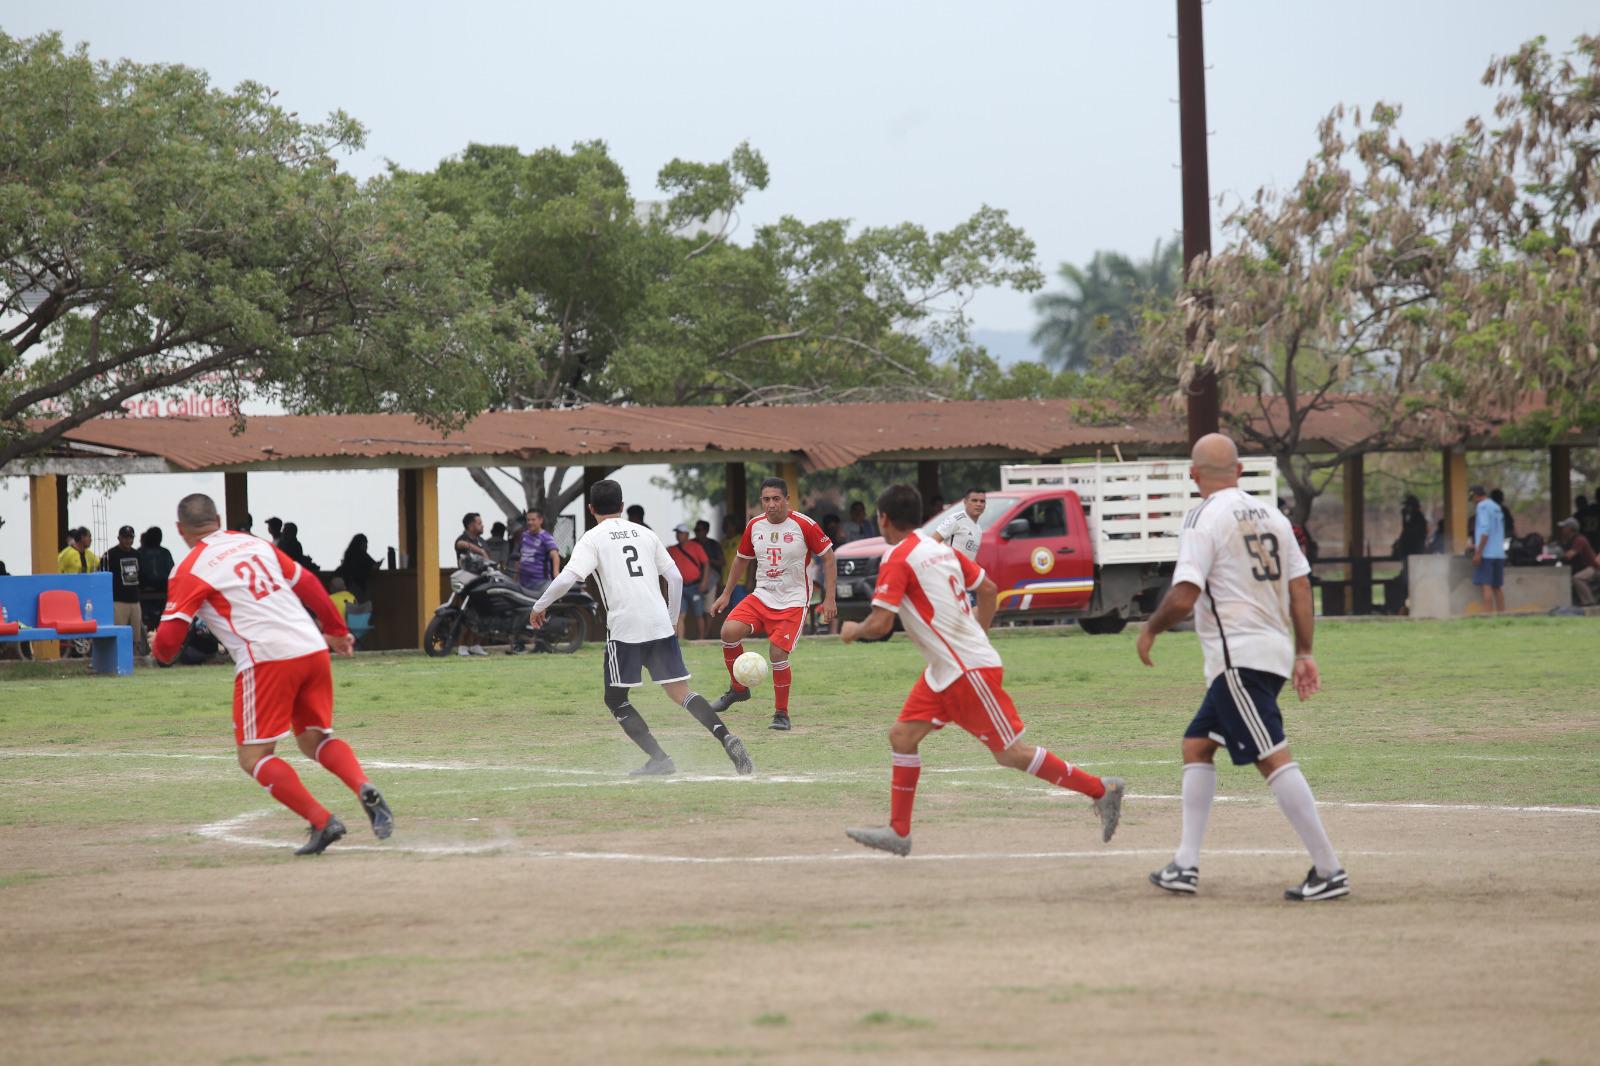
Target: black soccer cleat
[[729, 698], [378, 812], [736, 751], [332, 830], [1316, 887], [658, 766], [780, 722], [1179, 880]]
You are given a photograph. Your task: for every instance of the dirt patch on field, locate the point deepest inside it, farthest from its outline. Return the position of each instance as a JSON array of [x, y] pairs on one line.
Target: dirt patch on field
[[1471, 937]]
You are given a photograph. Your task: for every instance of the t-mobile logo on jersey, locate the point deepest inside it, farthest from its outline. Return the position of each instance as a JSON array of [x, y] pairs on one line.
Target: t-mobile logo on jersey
[[774, 556]]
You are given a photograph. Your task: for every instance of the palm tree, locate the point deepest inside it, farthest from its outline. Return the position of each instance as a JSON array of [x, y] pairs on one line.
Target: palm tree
[[1096, 315]]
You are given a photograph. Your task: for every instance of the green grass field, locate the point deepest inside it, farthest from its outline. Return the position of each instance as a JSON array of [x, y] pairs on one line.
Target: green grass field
[[571, 922]]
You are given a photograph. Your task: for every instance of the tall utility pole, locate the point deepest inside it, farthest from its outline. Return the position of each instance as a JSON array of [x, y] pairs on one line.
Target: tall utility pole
[[1203, 406]]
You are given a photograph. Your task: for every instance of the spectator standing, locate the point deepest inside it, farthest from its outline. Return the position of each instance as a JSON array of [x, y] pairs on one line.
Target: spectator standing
[[539, 554], [713, 550], [356, 568], [1489, 551], [155, 566], [1588, 516], [121, 561], [860, 527], [636, 515], [695, 568], [1413, 540], [1508, 520], [470, 543], [274, 528], [1578, 553], [76, 558], [732, 530], [289, 542], [1308, 547], [498, 547], [247, 525]]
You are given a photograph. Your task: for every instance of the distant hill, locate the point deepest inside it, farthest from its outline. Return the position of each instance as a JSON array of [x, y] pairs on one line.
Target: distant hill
[[1008, 346]]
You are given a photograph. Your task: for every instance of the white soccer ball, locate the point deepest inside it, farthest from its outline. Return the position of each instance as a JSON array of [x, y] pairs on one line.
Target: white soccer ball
[[750, 669]]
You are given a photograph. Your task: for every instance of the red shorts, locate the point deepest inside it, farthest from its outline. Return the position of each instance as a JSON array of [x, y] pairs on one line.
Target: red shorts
[[781, 627], [283, 697], [975, 702]]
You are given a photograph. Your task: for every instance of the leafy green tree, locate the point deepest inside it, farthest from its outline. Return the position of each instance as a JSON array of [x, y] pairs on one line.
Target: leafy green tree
[[156, 232], [1097, 315]]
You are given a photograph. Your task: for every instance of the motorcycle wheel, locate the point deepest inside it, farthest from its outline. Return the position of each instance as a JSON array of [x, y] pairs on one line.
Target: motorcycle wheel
[[439, 639], [580, 627]]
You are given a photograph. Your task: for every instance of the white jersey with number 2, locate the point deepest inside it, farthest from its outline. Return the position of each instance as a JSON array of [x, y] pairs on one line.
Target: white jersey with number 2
[[1242, 554], [627, 562]]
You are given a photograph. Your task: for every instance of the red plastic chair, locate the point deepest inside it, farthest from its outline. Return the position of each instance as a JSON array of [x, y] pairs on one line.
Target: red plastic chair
[[10, 629], [59, 610]]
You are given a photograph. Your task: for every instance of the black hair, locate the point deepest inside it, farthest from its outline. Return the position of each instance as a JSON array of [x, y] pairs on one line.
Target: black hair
[[533, 510], [980, 492], [150, 538], [468, 518], [606, 497], [775, 483], [702, 524], [497, 530], [902, 505], [636, 509], [1497, 496]]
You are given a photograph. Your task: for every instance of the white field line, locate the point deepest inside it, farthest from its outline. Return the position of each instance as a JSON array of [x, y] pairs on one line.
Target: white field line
[[236, 831]]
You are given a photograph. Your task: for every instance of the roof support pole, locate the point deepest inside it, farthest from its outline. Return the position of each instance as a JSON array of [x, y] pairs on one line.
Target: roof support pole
[[1203, 406], [236, 499], [1455, 500], [47, 496], [1560, 482], [928, 481], [592, 476], [790, 472], [1359, 571], [425, 552], [735, 498]]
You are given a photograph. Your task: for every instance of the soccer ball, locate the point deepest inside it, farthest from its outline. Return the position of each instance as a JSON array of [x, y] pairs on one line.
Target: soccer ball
[[750, 669]]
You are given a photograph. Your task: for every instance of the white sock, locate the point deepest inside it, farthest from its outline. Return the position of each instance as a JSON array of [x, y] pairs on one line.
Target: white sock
[[1199, 789], [1300, 807]]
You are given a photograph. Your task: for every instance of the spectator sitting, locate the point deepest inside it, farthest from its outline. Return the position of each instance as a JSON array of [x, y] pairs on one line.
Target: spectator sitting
[[122, 563], [859, 526], [1588, 515], [696, 571], [76, 558], [471, 542], [1578, 553], [636, 515], [1436, 542], [356, 568], [498, 547], [341, 597], [155, 566]]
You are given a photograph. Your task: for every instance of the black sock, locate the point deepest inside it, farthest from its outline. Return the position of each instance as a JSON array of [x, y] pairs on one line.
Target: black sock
[[638, 730], [696, 705]]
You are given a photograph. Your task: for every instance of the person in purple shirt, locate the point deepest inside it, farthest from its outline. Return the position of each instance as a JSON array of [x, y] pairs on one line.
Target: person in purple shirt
[[540, 558]]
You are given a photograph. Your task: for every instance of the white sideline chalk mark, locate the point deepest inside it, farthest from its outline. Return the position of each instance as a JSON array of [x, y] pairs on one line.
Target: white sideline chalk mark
[[230, 831]]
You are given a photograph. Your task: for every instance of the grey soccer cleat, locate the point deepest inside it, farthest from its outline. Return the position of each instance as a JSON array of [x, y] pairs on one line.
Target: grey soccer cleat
[[331, 830], [729, 698], [1109, 806], [780, 722], [1316, 887], [882, 837], [1177, 879], [656, 767], [736, 751], [378, 812]]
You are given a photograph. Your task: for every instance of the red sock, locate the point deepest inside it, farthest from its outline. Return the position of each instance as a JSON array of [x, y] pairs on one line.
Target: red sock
[[780, 686], [731, 652], [903, 791], [1057, 771], [283, 785], [339, 759]]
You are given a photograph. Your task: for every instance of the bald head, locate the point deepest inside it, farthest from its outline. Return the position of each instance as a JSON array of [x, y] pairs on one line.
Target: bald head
[[1216, 462]]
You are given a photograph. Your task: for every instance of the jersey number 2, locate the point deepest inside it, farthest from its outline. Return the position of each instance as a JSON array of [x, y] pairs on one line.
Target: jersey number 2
[[258, 577], [630, 553], [1263, 548]]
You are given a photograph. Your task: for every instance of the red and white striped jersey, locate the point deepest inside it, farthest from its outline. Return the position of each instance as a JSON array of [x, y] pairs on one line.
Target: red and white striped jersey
[[242, 587], [934, 581], [783, 552]]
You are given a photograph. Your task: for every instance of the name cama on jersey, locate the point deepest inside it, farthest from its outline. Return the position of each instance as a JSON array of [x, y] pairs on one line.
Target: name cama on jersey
[[1242, 554], [627, 562]]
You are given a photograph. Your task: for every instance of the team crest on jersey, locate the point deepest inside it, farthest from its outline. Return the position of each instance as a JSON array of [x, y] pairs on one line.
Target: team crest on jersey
[[788, 538], [1042, 561]]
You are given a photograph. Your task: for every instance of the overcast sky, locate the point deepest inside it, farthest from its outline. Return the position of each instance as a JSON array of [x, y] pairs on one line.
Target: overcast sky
[[880, 112]]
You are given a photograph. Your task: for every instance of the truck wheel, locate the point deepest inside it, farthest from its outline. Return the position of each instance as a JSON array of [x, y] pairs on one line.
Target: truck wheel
[[1104, 625]]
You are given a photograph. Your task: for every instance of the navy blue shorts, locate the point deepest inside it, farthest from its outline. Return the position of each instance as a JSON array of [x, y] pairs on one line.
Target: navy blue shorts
[[625, 663], [1491, 572], [1240, 712]]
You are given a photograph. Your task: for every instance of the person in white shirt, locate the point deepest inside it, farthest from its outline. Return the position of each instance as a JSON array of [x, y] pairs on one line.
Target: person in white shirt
[[926, 584], [960, 528], [629, 563], [1241, 571]]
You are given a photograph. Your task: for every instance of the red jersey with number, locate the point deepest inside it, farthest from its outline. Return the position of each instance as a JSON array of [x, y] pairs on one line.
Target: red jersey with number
[[932, 581], [783, 552], [242, 587]]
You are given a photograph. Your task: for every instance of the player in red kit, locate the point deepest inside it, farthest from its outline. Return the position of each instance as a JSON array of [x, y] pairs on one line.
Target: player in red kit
[[779, 544], [254, 599], [926, 584]]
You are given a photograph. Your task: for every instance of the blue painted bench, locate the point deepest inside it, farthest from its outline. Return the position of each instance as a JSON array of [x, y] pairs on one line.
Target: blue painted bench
[[112, 644]]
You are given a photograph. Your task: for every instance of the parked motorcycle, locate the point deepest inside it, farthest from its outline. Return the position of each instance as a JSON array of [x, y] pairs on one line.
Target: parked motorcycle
[[495, 609]]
